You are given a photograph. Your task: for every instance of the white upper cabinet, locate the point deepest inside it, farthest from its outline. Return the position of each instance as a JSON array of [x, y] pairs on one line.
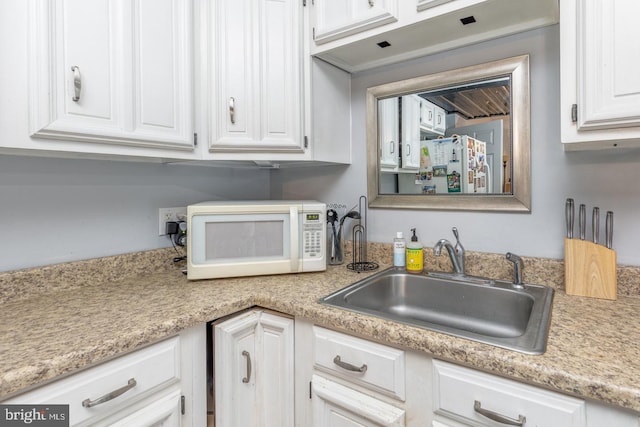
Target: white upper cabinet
[[265, 99], [600, 58], [112, 71], [334, 19], [426, 4], [356, 35], [256, 86]]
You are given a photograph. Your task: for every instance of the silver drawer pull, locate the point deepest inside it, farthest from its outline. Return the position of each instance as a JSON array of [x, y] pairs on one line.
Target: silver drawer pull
[[372, 3], [88, 403], [477, 406], [348, 366], [77, 83], [246, 354]]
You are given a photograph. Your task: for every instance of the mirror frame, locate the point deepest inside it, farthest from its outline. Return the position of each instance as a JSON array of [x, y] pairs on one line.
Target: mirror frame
[[519, 200]]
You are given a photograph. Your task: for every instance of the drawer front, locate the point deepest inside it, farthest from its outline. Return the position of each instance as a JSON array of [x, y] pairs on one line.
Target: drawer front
[[462, 394], [337, 405], [374, 366], [149, 367]]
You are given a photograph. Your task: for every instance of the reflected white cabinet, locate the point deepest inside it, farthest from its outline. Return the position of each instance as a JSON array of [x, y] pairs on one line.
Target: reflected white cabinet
[[334, 19], [411, 112], [112, 71], [440, 125], [256, 76], [600, 58], [432, 118], [253, 370], [388, 132]]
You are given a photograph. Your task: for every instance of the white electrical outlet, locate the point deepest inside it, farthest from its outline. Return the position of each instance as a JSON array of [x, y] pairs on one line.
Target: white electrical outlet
[[169, 214]]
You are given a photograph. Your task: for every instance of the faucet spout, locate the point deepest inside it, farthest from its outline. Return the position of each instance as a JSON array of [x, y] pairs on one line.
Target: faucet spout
[[458, 267]]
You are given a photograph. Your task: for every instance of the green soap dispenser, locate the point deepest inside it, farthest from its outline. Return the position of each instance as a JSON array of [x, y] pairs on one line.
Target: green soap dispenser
[[415, 255]]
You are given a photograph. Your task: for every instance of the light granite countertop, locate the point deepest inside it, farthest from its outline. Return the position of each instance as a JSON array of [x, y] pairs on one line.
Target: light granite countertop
[[55, 321]]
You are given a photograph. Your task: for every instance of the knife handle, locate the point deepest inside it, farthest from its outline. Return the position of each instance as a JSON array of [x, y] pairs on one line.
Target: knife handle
[[569, 212], [582, 220], [595, 224], [609, 229]]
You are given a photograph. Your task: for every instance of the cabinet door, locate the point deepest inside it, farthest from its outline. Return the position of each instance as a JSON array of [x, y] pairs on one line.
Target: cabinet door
[[337, 405], [234, 370], [427, 115], [439, 124], [87, 69], [411, 106], [335, 19], [599, 56], [275, 386], [608, 62], [163, 72], [253, 370], [112, 71], [388, 132], [256, 96]]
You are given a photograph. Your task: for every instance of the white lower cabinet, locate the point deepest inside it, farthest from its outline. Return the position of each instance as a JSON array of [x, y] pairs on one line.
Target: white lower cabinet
[[159, 385], [253, 370], [371, 384], [474, 398], [350, 381]]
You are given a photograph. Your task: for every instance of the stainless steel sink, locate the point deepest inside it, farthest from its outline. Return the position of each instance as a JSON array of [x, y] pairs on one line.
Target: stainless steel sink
[[493, 313]]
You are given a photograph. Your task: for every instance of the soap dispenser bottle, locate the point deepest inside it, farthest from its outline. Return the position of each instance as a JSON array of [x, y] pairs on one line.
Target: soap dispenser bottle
[[399, 252], [415, 255]]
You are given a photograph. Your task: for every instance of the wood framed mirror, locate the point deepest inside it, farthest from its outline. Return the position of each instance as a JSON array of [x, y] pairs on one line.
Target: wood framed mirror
[[454, 140]]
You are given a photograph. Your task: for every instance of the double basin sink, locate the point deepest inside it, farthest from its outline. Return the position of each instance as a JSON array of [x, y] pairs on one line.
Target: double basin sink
[[489, 311]]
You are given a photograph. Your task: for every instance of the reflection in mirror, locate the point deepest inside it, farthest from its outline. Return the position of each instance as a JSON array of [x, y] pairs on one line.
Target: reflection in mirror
[[453, 140]]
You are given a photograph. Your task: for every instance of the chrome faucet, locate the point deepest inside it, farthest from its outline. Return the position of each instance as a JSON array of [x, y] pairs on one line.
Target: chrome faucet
[[456, 253]]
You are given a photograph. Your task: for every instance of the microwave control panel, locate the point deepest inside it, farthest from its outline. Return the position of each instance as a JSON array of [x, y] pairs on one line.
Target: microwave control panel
[[313, 226]]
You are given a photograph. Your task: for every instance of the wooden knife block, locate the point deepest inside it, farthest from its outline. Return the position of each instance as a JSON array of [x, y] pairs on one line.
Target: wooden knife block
[[590, 269]]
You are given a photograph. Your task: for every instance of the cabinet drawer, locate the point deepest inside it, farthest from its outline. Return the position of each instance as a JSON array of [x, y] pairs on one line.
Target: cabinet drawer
[[460, 393], [371, 365], [150, 367]]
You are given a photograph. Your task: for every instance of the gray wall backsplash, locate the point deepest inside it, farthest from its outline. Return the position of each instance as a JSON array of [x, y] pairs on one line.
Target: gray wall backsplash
[[607, 179], [60, 210]]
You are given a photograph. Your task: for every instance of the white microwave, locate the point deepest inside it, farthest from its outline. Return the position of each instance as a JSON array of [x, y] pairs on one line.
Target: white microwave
[[250, 238]]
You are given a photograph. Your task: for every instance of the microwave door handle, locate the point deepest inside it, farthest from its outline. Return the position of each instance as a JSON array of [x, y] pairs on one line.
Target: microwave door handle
[[293, 213]]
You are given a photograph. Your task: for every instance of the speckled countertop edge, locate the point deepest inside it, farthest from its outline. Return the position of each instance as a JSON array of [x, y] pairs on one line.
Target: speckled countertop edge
[[592, 350]]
